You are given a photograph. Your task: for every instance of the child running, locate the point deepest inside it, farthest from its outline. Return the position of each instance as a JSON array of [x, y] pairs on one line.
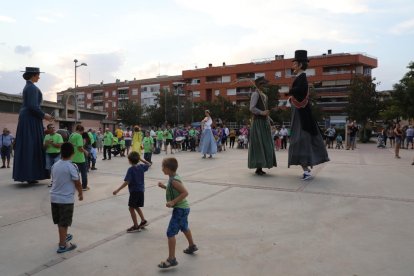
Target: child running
[[134, 179], [65, 177], [175, 195]]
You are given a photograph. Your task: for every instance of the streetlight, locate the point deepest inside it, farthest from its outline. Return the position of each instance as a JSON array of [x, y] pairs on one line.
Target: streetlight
[[76, 96], [178, 86]]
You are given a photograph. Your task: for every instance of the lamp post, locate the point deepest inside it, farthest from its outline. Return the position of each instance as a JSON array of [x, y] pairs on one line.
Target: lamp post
[[75, 94]]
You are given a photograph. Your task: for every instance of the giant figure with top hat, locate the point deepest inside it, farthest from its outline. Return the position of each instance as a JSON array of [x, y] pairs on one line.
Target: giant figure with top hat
[[306, 148], [29, 155]]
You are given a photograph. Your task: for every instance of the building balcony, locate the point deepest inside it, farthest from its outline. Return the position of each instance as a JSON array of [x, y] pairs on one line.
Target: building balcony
[[337, 72]]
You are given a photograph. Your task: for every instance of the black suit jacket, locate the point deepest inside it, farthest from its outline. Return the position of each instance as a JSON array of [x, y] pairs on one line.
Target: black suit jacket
[[299, 91]]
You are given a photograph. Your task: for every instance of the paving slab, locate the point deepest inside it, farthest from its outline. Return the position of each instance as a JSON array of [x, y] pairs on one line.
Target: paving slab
[[353, 218]]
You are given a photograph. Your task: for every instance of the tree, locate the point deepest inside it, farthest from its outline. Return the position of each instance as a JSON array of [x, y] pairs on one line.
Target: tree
[[403, 95], [363, 102], [130, 113]]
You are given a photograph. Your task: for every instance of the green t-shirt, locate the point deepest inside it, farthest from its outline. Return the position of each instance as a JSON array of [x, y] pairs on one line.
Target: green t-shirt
[[77, 141], [108, 139], [115, 141], [172, 193], [91, 137], [192, 132], [160, 135], [148, 143], [168, 134], [56, 139]]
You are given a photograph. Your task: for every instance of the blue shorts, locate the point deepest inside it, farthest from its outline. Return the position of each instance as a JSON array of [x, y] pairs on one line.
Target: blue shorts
[[179, 221]]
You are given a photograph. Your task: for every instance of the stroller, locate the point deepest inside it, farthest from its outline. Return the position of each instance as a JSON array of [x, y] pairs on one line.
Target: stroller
[[242, 142], [380, 141], [339, 143]]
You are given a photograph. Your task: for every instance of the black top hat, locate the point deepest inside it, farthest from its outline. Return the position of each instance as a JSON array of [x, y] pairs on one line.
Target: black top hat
[[301, 55], [32, 70]]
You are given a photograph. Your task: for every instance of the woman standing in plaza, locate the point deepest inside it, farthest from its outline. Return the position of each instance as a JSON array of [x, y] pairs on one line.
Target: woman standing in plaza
[[29, 156], [261, 147], [306, 147], [208, 144]]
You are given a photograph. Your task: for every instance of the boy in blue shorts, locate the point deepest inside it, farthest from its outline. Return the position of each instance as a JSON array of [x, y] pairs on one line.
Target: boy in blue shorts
[[175, 195], [134, 179], [65, 177]]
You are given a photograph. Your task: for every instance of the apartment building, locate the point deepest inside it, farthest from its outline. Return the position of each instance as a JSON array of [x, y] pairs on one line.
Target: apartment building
[[110, 97], [328, 74]]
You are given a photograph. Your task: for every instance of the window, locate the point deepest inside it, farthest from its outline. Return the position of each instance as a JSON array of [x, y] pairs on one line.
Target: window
[[106, 105], [217, 92], [196, 94], [225, 79], [195, 81], [89, 96], [113, 93], [113, 104], [258, 75], [278, 74], [310, 72], [288, 73], [106, 94], [88, 105], [231, 92], [134, 92]]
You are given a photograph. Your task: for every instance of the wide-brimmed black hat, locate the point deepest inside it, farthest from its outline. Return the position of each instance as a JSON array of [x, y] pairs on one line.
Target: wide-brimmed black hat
[[32, 70], [301, 55], [261, 81]]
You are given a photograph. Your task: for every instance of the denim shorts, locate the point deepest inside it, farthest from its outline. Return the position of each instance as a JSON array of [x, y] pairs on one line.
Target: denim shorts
[[179, 221]]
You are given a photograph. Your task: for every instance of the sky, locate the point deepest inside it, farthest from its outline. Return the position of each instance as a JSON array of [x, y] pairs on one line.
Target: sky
[[129, 39]]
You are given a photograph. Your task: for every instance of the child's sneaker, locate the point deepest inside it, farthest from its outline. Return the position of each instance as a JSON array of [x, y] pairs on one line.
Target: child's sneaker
[[66, 248], [306, 176], [133, 229]]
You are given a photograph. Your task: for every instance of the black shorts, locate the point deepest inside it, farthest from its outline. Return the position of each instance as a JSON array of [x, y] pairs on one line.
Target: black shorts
[[136, 199], [168, 142], [62, 214]]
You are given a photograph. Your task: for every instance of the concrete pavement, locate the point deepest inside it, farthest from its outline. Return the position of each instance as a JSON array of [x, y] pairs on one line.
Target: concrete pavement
[[354, 218]]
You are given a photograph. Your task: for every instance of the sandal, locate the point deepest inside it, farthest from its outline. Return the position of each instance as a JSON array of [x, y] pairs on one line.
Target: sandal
[[133, 229], [143, 224], [168, 263], [66, 248], [191, 249]]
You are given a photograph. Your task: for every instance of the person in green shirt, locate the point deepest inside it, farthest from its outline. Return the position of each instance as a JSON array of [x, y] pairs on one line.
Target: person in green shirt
[[148, 143], [192, 137], [78, 158], [108, 139], [160, 137], [52, 143], [176, 195], [168, 137]]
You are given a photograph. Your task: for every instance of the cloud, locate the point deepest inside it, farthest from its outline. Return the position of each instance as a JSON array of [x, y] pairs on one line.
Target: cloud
[[45, 19], [13, 83], [23, 50], [404, 27], [7, 19]]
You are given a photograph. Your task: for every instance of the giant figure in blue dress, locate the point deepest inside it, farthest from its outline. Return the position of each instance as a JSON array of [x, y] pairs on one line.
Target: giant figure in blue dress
[[29, 155]]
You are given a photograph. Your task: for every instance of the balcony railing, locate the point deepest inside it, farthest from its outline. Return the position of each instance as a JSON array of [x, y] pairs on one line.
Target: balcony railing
[[337, 72]]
